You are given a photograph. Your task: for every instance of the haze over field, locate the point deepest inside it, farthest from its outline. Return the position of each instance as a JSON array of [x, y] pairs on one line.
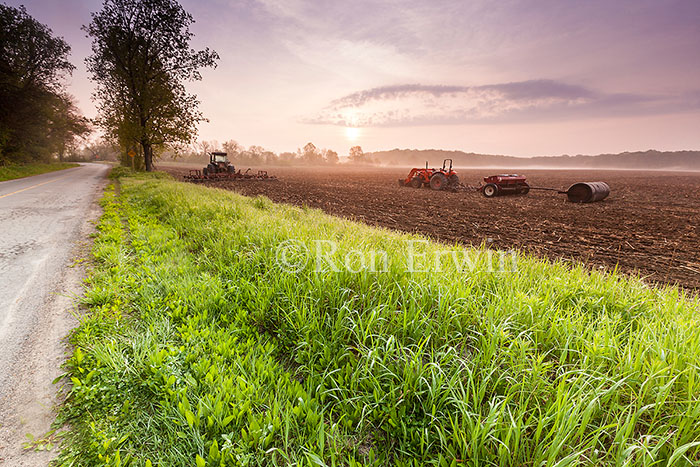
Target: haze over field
[[496, 78], [641, 160]]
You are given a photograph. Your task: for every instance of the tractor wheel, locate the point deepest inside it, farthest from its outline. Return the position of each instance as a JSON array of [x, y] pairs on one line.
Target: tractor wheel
[[230, 169], [490, 190], [438, 181], [454, 180], [525, 190], [416, 182], [205, 171]]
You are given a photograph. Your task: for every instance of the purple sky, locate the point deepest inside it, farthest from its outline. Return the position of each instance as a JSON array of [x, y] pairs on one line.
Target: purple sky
[[509, 77]]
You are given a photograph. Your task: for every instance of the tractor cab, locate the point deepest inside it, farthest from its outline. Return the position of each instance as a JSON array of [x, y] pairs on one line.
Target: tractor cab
[[218, 163], [218, 158], [448, 170]]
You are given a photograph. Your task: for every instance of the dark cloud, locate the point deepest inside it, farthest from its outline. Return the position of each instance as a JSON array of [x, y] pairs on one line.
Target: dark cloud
[[520, 90], [418, 104]]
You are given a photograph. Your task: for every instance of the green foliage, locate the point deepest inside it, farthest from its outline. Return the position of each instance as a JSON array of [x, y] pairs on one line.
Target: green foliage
[[10, 172], [198, 350], [119, 172], [37, 118], [141, 59]]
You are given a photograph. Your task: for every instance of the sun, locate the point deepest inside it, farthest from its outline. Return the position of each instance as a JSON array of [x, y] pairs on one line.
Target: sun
[[352, 133]]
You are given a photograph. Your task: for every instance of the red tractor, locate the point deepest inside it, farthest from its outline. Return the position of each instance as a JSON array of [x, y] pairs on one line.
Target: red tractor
[[437, 179], [505, 184]]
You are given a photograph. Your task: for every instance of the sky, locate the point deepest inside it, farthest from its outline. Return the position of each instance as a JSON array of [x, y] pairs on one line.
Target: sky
[[514, 77]]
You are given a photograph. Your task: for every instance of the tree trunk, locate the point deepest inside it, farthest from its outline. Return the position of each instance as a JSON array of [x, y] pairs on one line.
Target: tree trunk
[[147, 155]]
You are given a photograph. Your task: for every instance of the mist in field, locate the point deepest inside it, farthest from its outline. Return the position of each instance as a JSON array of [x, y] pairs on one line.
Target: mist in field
[[311, 156]]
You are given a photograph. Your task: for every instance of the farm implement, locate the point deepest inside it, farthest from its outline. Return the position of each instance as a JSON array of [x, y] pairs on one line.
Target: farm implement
[[505, 184], [219, 168], [446, 178]]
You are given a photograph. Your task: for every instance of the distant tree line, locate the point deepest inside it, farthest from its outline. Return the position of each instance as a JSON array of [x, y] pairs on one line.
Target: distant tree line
[[38, 118], [257, 155], [96, 150]]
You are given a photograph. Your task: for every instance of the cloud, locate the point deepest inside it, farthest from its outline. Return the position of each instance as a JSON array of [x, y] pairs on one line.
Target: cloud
[[363, 40], [524, 101], [521, 90]]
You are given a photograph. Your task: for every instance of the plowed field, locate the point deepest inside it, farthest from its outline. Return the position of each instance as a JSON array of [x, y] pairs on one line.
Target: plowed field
[[649, 224]]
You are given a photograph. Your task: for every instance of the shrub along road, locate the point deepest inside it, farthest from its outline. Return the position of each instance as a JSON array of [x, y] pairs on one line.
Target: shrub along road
[[43, 218]]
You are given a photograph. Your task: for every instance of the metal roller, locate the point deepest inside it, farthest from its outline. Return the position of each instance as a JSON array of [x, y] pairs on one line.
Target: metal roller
[[587, 192]]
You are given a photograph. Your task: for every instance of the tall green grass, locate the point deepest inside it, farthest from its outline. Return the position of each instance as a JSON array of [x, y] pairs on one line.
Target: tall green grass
[[11, 172], [197, 349]]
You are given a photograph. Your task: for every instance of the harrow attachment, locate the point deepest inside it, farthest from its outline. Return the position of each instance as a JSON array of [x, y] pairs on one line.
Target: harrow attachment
[[198, 176], [220, 169]]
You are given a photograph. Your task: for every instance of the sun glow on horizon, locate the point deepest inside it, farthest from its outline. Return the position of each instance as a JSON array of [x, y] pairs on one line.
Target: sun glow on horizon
[[352, 133]]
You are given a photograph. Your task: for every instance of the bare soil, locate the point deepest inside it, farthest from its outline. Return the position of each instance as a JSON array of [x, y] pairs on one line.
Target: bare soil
[[649, 224]]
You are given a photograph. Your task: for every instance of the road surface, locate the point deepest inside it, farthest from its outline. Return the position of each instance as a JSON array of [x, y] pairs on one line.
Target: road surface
[[43, 221]]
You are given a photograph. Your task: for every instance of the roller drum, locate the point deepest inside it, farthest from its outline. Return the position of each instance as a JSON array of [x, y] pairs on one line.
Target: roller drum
[[588, 192]]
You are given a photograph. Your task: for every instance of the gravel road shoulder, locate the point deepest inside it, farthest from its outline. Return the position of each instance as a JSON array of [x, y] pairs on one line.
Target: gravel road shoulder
[[28, 405]]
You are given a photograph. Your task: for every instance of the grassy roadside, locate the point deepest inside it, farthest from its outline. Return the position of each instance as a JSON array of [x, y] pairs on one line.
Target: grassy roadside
[[12, 172], [198, 349]]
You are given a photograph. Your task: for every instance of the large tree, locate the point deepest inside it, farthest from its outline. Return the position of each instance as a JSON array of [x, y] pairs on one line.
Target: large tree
[[33, 64], [141, 59]]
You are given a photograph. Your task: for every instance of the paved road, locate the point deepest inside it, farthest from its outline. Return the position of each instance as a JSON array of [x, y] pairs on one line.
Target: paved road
[[42, 219]]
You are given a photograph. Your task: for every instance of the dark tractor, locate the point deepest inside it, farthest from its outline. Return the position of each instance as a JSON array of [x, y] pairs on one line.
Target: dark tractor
[[218, 164]]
